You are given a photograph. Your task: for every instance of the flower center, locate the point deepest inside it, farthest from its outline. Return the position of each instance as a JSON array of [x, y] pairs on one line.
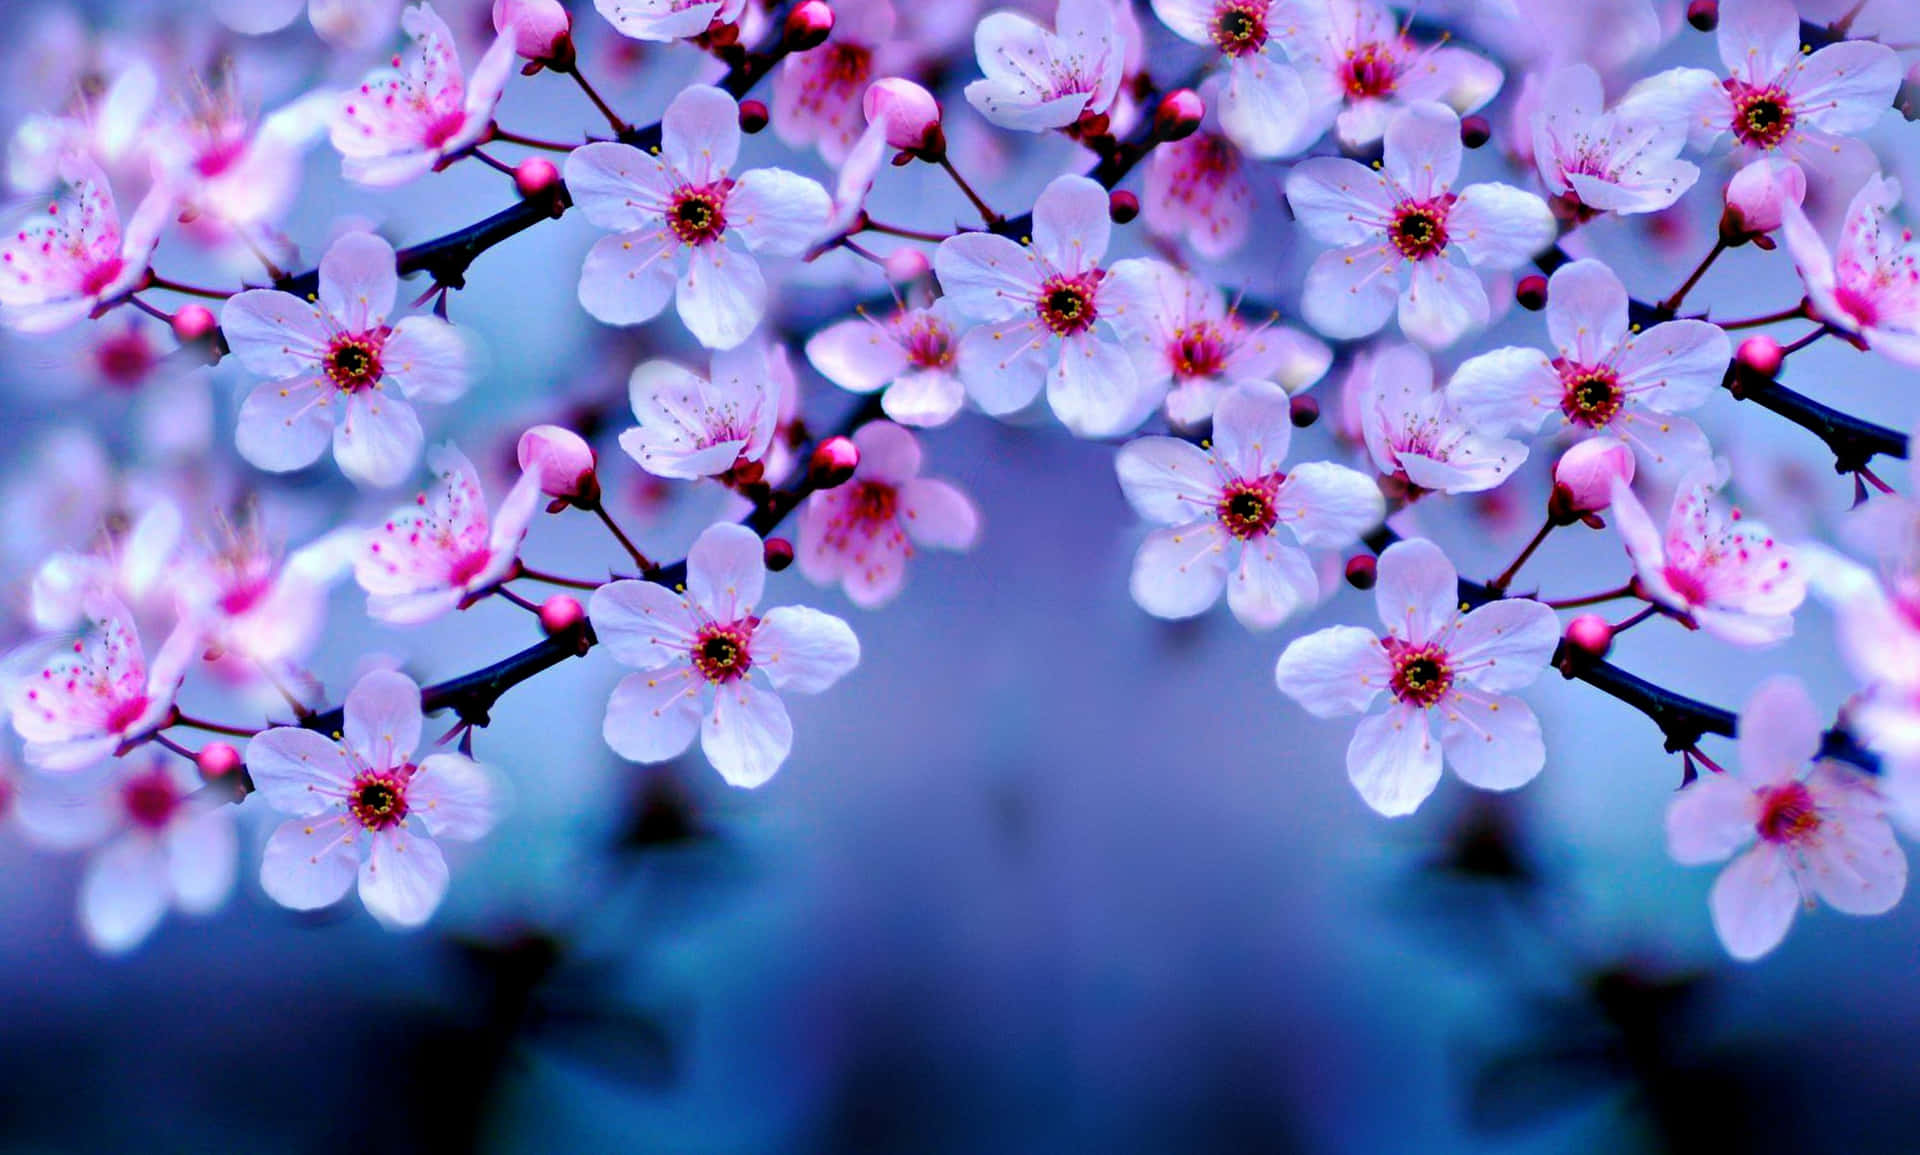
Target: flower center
[[100, 275], [445, 127], [1240, 28], [353, 362], [1246, 508], [698, 215], [468, 566], [874, 503], [1199, 350], [1422, 675], [720, 652], [1688, 584], [379, 798], [929, 343], [1369, 71], [1419, 228], [1762, 116], [848, 64], [125, 713], [1858, 305], [150, 799], [1787, 813], [1066, 304], [1592, 395]]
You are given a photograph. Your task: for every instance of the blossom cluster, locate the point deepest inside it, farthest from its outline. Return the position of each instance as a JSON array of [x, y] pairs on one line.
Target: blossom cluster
[[1228, 204]]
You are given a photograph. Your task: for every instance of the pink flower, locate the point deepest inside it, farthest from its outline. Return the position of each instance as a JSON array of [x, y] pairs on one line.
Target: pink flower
[[817, 94], [403, 122], [862, 533], [911, 355], [1049, 314], [1606, 377], [1439, 665], [699, 654], [666, 20], [1877, 620], [1186, 336], [163, 848], [908, 113], [81, 704], [338, 353], [1224, 506], [223, 165], [1360, 61], [71, 258], [678, 215], [1407, 214], [562, 460], [1818, 828], [1414, 434], [1623, 160], [1758, 195], [1036, 80], [1587, 471], [436, 554], [1264, 106], [1727, 574], [250, 601], [362, 805], [693, 426], [540, 28], [1870, 284], [1199, 190]]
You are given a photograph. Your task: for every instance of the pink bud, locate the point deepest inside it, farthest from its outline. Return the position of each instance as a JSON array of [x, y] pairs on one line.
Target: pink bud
[[563, 460], [1122, 207], [535, 176], [808, 26], [833, 462], [1362, 571], [193, 322], [1757, 193], [539, 28], [1590, 635], [560, 613], [909, 113], [779, 553], [1179, 115], [754, 116], [1583, 477], [217, 759], [1761, 355], [904, 264]]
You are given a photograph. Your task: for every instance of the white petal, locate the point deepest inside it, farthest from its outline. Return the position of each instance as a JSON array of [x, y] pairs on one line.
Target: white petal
[[804, 650], [1418, 590], [1253, 428], [722, 296], [1506, 389], [1003, 365], [286, 425], [1779, 731], [378, 442], [1168, 480], [427, 358], [203, 859], [358, 281], [1334, 671], [1675, 366], [1753, 902], [454, 796], [1499, 226], [653, 717], [1856, 866], [860, 355], [272, 333], [1350, 292], [124, 893], [1180, 572], [1394, 761], [1586, 311], [748, 734], [629, 277], [778, 212], [939, 515], [403, 878], [987, 277], [1071, 224], [310, 862], [1422, 149], [727, 571], [1340, 202], [1329, 506], [1093, 388], [617, 186], [1711, 819], [383, 719], [700, 133], [1272, 582], [298, 771], [1443, 302], [1505, 644], [1492, 743], [642, 624]]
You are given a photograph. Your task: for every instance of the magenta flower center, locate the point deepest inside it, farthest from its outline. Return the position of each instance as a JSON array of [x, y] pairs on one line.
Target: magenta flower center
[[873, 503], [1421, 675], [468, 566], [125, 713], [848, 65], [1762, 114], [720, 652], [150, 799], [100, 275], [1199, 350], [1066, 304], [1688, 584], [698, 216], [1240, 27], [1787, 814], [1246, 508], [353, 361], [1591, 395], [378, 798], [929, 344], [1369, 71], [445, 127], [1419, 228], [1858, 305]]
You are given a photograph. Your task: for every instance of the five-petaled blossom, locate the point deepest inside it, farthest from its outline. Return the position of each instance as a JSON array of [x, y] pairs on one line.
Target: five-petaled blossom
[[165, 848], [437, 553], [1415, 436], [362, 806], [1869, 284], [1440, 666], [912, 355], [85, 701], [1725, 573], [667, 20], [678, 216], [817, 94], [1357, 59], [403, 122], [693, 426], [1264, 105], [861, 534], [1200, 190], [1607, 377], [339, 371], [1818, 828], [1224, 506], [73, 256], [1049, 310], [1620, 160], [700, 655], [1407, 214], [1035, 79]]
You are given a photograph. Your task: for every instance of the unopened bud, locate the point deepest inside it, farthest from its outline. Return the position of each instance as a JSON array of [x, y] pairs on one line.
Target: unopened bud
[[808, 26], [193, 322], [1304, 411], [1590, 636], [906, 264], [1757, 197], [779, 553], [217, 759], [1362, 571], [1531, 292], [908, 113], [540, 29], [535, 176], [1760, 356], [1475, 131], [561, 614], [1122, 207], [1179, 115], [1704, 15], [564, 462], [1583, 477], [833, 463], [753, 116]]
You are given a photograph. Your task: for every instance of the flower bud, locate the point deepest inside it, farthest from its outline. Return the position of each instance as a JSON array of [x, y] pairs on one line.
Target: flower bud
[[1759, 355], [808, 26], [1531, 292], [1475, 131], [217, 759], [1122, 207], [909, 114], [193, 322], [779, 553], [1704, 15], [1590, 636], [1303, 411], [1756, 197], [1179, 115], [540, 29], [535, 176], [564, 462], [1583, 477], [753, 116], [560, 613], [833, 463], [1362, 571], [905, 264]]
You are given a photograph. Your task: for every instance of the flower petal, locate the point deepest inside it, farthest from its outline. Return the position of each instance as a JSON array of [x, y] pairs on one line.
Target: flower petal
[[727, 571], [310, 862], [1334, 671], [1505, 644], [1492, 742], [643, 624], [652, 717], [722, 296], [1709, 820], [1753, 902], [298, 771], [804, 650], [1180, 572], [1418, 590], [403, 878], [748, 734], [1393, 761]]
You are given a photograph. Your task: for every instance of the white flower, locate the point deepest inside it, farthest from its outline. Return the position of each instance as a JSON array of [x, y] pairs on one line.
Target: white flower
[[911, 355], [1359, 61], [165, 848], [1037, 80], [693, 426], [1623, 160], [1869, 284], [71, 257], [1264, 106], [1414, 435], [1439, 665], [700, 656], [666, 20]]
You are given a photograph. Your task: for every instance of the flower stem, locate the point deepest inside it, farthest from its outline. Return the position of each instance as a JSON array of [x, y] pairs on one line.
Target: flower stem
[[1799, 310], [160, 282], [1625, 591], [1499, 585], [180, 719], [640, 559], [1803, 342], [549, 579], [613, 119], [987, 214], [1671, 305], [882, 227], [531, 141]]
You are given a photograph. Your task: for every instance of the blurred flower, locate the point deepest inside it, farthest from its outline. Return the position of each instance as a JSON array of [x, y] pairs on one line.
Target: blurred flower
[[1414, 435], [1036, 80], [164, 847], [72, 257], [693, 426], [82, 703], [911, 355], [1869, 284], [666, 20]]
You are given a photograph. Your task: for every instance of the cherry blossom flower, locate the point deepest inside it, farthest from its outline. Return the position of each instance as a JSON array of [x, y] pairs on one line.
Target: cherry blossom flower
[[1188, 337], [1407, 214], [1818, 828], [339, 370], [1224, 506], [1415, 436], [677, 216], [912, 355], [1725, 573], [1035, 79], [1199, 190], [1441, 667], [693, 426], [861, 534], [1869, 285], [1758, 194], [817, 94], [1264, 105], [405, 121], [1620, 160], [82, 703], [134, 567], [250, 601], [443, 550], [698, 655], [362, 806], [1048, 309], [1877, 618], [1358, 61], [667, 20], [223, 165], [1607, 378], [163, 849], [72, 257]]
